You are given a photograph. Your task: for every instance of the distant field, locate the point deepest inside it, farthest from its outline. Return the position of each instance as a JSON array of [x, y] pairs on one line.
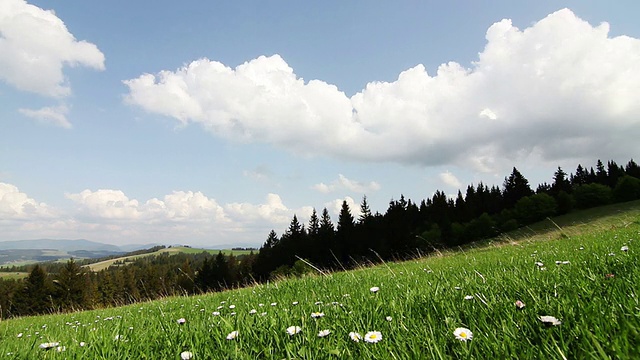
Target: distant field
[[13, 275], [172, 250]]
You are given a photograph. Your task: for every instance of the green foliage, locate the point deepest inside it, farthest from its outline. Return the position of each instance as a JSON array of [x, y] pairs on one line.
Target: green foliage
[[535, 208], [627, 189], [591, 195]]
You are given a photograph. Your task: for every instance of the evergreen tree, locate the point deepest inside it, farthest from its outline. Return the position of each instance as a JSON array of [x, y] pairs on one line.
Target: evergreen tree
[[516, 186], [365, 211], [560, 183], [314, 223], [35, 296], [71, 286], [581, 177], [632, 169]]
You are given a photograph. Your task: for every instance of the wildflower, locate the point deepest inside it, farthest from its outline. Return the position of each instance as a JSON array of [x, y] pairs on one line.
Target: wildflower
[[232, 335], [558, 262], [317, 315], [20, 335], [260, 305], [550, 320], [355, 336], [118, 337], [519, 304], [324, 333], [253, 311], [624, 248], [61, 348], [232, 314], [274, 304], [186, 355], [539, 264], [215, 313], [373, 336], [463, 334], [82, 343], [318, 303], [468, 297], [292, 330], [49, 345], [457, 288], [374, 289], [566, 262], [388, 318], [181, 321], [294, 303], [263, 314], [232, 306], [609, 276]]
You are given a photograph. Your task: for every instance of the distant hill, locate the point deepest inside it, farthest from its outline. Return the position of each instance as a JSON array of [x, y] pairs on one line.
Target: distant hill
[[55, 244], [21, 252]]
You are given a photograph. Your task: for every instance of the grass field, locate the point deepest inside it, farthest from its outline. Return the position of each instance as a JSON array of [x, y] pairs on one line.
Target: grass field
[[13, 275], [172, 250], [585, 275]]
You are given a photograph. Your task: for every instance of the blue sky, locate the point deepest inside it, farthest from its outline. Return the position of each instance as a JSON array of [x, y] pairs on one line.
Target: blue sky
[[210, 124]]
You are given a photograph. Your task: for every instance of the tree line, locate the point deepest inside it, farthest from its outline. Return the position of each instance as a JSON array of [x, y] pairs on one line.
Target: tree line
[[406, 229]]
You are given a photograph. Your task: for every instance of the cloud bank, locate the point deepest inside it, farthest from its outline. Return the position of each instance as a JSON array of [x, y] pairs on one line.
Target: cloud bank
[[560, 89], [110, 215]]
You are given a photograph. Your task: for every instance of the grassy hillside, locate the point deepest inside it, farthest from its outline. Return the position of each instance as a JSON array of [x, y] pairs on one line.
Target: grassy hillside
[[172, 250], [585, 275]]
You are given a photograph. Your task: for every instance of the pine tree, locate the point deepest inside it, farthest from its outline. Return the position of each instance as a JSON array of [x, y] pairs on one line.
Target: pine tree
[[516, 186], [365, 211]]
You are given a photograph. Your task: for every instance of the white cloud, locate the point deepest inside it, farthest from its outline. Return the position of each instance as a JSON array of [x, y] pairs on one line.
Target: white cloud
[[343, 183], [450, 180], [560, 89], [336, 205], [35, 45], [180, 206], [56, 115], [273, 211], [16, 205]]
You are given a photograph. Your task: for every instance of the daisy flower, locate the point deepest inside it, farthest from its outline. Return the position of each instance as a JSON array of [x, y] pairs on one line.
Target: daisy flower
[[49, 345], [232, 335], [624, 248], [215, 313], [374, 289], [468, 297], [253, 311], [388, 318], [550, 320], [317, 315], [463, 334], [519, 304], [373, 336], [355, 336], [181, 321], [292, 330], [324, 333], [186, 355]]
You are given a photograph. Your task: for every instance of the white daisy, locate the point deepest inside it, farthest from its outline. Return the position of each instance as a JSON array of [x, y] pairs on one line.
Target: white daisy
[[324, 333], [355, 336], [373, 336], [463, 334], [550, 320], [215, 313], [181, 321], [624, 248], [292, 330], [317, 315], [186, 355], [388, 318], [519, 304], [253, 311], [468, 297], [374, 289], [232, 335], [49, 345]]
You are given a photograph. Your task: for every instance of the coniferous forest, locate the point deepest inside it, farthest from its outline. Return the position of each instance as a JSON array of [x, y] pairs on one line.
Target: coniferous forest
[[407, 229]]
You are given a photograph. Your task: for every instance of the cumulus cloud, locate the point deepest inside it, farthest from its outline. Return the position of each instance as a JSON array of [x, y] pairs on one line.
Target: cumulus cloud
[[16, 205], [336, 205], [560, 89], [35, 46], [56, 115], [180, 206], [273, 211], [450, 180], [343, 183]]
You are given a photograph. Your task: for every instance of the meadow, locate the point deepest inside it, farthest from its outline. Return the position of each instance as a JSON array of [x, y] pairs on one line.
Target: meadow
[[586, 276]]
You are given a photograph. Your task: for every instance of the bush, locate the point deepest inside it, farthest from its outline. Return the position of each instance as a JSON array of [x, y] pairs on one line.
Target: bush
[[591, 195], [534, 208], [627, 189]]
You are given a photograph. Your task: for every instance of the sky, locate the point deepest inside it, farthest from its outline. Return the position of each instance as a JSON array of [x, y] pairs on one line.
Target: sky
[[211, 123]]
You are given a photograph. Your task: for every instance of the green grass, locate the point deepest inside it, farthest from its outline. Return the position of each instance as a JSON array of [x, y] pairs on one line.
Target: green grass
[[13, 275], [595, 296]]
